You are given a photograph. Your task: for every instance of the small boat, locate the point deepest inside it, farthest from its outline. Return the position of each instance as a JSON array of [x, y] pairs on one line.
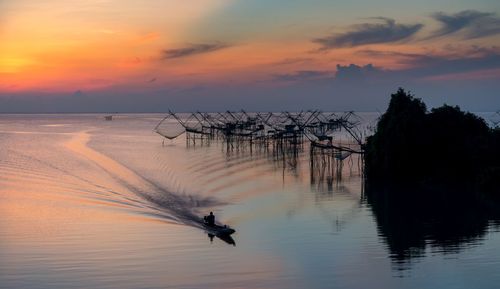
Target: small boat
[[218, 230]]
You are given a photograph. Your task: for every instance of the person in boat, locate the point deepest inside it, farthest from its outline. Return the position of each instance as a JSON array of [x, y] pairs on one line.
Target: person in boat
[[210, 219]]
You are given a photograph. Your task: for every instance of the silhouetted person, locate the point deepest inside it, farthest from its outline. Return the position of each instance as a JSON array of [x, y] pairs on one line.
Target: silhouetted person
[[210, 219]]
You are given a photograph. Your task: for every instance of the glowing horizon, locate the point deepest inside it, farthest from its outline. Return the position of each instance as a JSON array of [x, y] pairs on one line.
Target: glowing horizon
[[105, 47]]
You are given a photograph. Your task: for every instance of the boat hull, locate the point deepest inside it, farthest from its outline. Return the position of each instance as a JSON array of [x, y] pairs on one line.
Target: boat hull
[[219, 230]]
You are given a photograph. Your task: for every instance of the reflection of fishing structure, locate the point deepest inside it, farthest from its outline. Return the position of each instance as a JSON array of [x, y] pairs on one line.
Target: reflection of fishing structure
[[333, 139]]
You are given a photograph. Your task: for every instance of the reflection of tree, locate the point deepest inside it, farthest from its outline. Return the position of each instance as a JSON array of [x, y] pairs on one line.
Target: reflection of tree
[[411, 222], [226, 238]]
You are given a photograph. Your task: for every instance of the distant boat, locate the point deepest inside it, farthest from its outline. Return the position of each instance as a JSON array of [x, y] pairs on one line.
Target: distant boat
[[108, 117]]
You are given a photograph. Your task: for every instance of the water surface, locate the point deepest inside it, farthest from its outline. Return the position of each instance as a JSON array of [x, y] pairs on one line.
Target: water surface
[[88, 203]]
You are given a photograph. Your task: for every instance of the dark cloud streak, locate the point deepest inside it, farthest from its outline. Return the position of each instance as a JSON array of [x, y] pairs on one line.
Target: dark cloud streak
[[370, 33], [472, 23], [193, 49]]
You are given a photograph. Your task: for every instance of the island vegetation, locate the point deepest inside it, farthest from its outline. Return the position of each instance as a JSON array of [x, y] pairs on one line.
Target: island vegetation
[[441, 150], [432, 178]]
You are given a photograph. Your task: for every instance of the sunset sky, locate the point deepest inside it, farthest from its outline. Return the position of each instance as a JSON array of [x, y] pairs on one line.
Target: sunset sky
[[155, 55]]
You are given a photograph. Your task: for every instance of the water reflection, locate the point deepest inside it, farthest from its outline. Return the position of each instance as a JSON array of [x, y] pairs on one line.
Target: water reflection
[[412, 222], [226, 238]]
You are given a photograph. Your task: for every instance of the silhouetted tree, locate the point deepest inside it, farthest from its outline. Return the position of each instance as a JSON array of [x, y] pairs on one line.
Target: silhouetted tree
[[444, 148], [397, 141]]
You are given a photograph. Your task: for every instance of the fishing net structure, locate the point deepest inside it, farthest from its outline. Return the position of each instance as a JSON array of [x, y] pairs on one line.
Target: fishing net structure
[[495, 119], [169, 128], [319, 127], [331, 138]]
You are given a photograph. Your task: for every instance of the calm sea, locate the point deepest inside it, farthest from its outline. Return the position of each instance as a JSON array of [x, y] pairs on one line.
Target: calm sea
[[89, 203]]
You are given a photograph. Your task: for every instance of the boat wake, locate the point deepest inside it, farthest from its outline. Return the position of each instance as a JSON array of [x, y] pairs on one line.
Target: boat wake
[[156, 201]]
